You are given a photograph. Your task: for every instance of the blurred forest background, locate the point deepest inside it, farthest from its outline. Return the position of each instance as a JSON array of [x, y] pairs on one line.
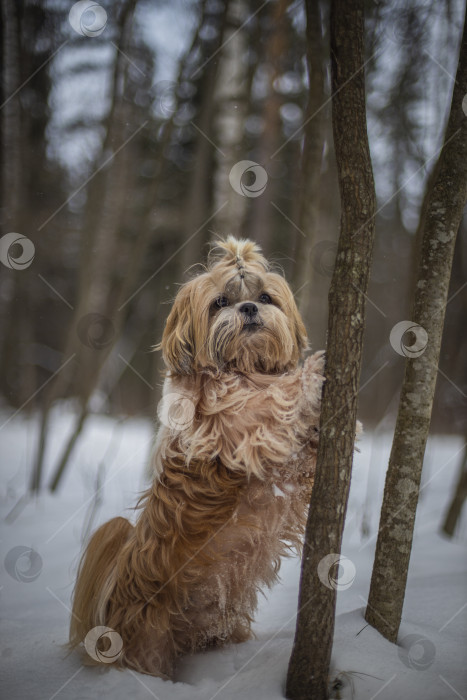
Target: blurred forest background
[[120, 125]]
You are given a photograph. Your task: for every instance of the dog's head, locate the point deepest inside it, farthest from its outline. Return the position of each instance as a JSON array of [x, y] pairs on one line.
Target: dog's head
[[237, 315]]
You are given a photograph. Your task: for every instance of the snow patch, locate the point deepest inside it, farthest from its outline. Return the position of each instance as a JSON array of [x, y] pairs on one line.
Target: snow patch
[[35, 664]]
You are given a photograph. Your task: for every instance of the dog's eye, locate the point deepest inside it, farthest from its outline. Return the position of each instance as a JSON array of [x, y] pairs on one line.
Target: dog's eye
[[220, 302], [265, 299]]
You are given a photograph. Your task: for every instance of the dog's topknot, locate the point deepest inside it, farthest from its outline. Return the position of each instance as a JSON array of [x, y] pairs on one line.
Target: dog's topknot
[[237, 251]]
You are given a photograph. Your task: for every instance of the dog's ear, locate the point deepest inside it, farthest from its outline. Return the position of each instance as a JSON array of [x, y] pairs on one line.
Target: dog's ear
[[177, 344], [301, 337], [278, 284]]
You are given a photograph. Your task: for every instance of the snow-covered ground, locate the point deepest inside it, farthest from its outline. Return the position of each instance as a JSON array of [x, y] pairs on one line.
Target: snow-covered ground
[[429, 665]]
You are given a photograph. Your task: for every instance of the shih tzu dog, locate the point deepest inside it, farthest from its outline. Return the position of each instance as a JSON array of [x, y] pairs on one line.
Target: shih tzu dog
[[234, 464]]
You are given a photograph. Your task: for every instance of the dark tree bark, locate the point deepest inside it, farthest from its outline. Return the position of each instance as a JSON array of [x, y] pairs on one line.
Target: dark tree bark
[[21, 54], [442, 216], [309, 663], [199, 198], [11, 170], [277, 41], [458, 500], [310, 200], [12, 185]]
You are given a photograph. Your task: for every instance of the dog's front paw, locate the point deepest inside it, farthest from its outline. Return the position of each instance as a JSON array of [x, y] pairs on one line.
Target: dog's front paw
[[313, 376], [315, 362]]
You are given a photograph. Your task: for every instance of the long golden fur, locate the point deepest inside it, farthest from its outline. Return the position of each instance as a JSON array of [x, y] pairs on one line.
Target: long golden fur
[[234, 464]]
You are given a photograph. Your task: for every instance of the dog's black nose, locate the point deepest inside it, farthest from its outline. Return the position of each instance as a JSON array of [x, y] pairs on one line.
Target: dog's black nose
[[249, 309]]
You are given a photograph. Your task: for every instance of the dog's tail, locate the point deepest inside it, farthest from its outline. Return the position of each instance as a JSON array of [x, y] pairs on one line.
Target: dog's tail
[[96, 579]]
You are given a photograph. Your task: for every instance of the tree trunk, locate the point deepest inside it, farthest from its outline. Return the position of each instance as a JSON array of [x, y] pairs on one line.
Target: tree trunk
[[231, 100], [11, 170], [14, 287], [309, 663], [458, 499], [68, 449], [198, 203], [260, 222], [310, 199], [444, 206]]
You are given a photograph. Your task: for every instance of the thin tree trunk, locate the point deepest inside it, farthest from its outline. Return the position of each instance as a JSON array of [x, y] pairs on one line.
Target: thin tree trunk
[[199, 199], [231, 100], [309, 195], [260, 223], [444, 206], [309, 663], [36, 472], [13, 196], [458, 499], [63, 461], [11, 171]]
